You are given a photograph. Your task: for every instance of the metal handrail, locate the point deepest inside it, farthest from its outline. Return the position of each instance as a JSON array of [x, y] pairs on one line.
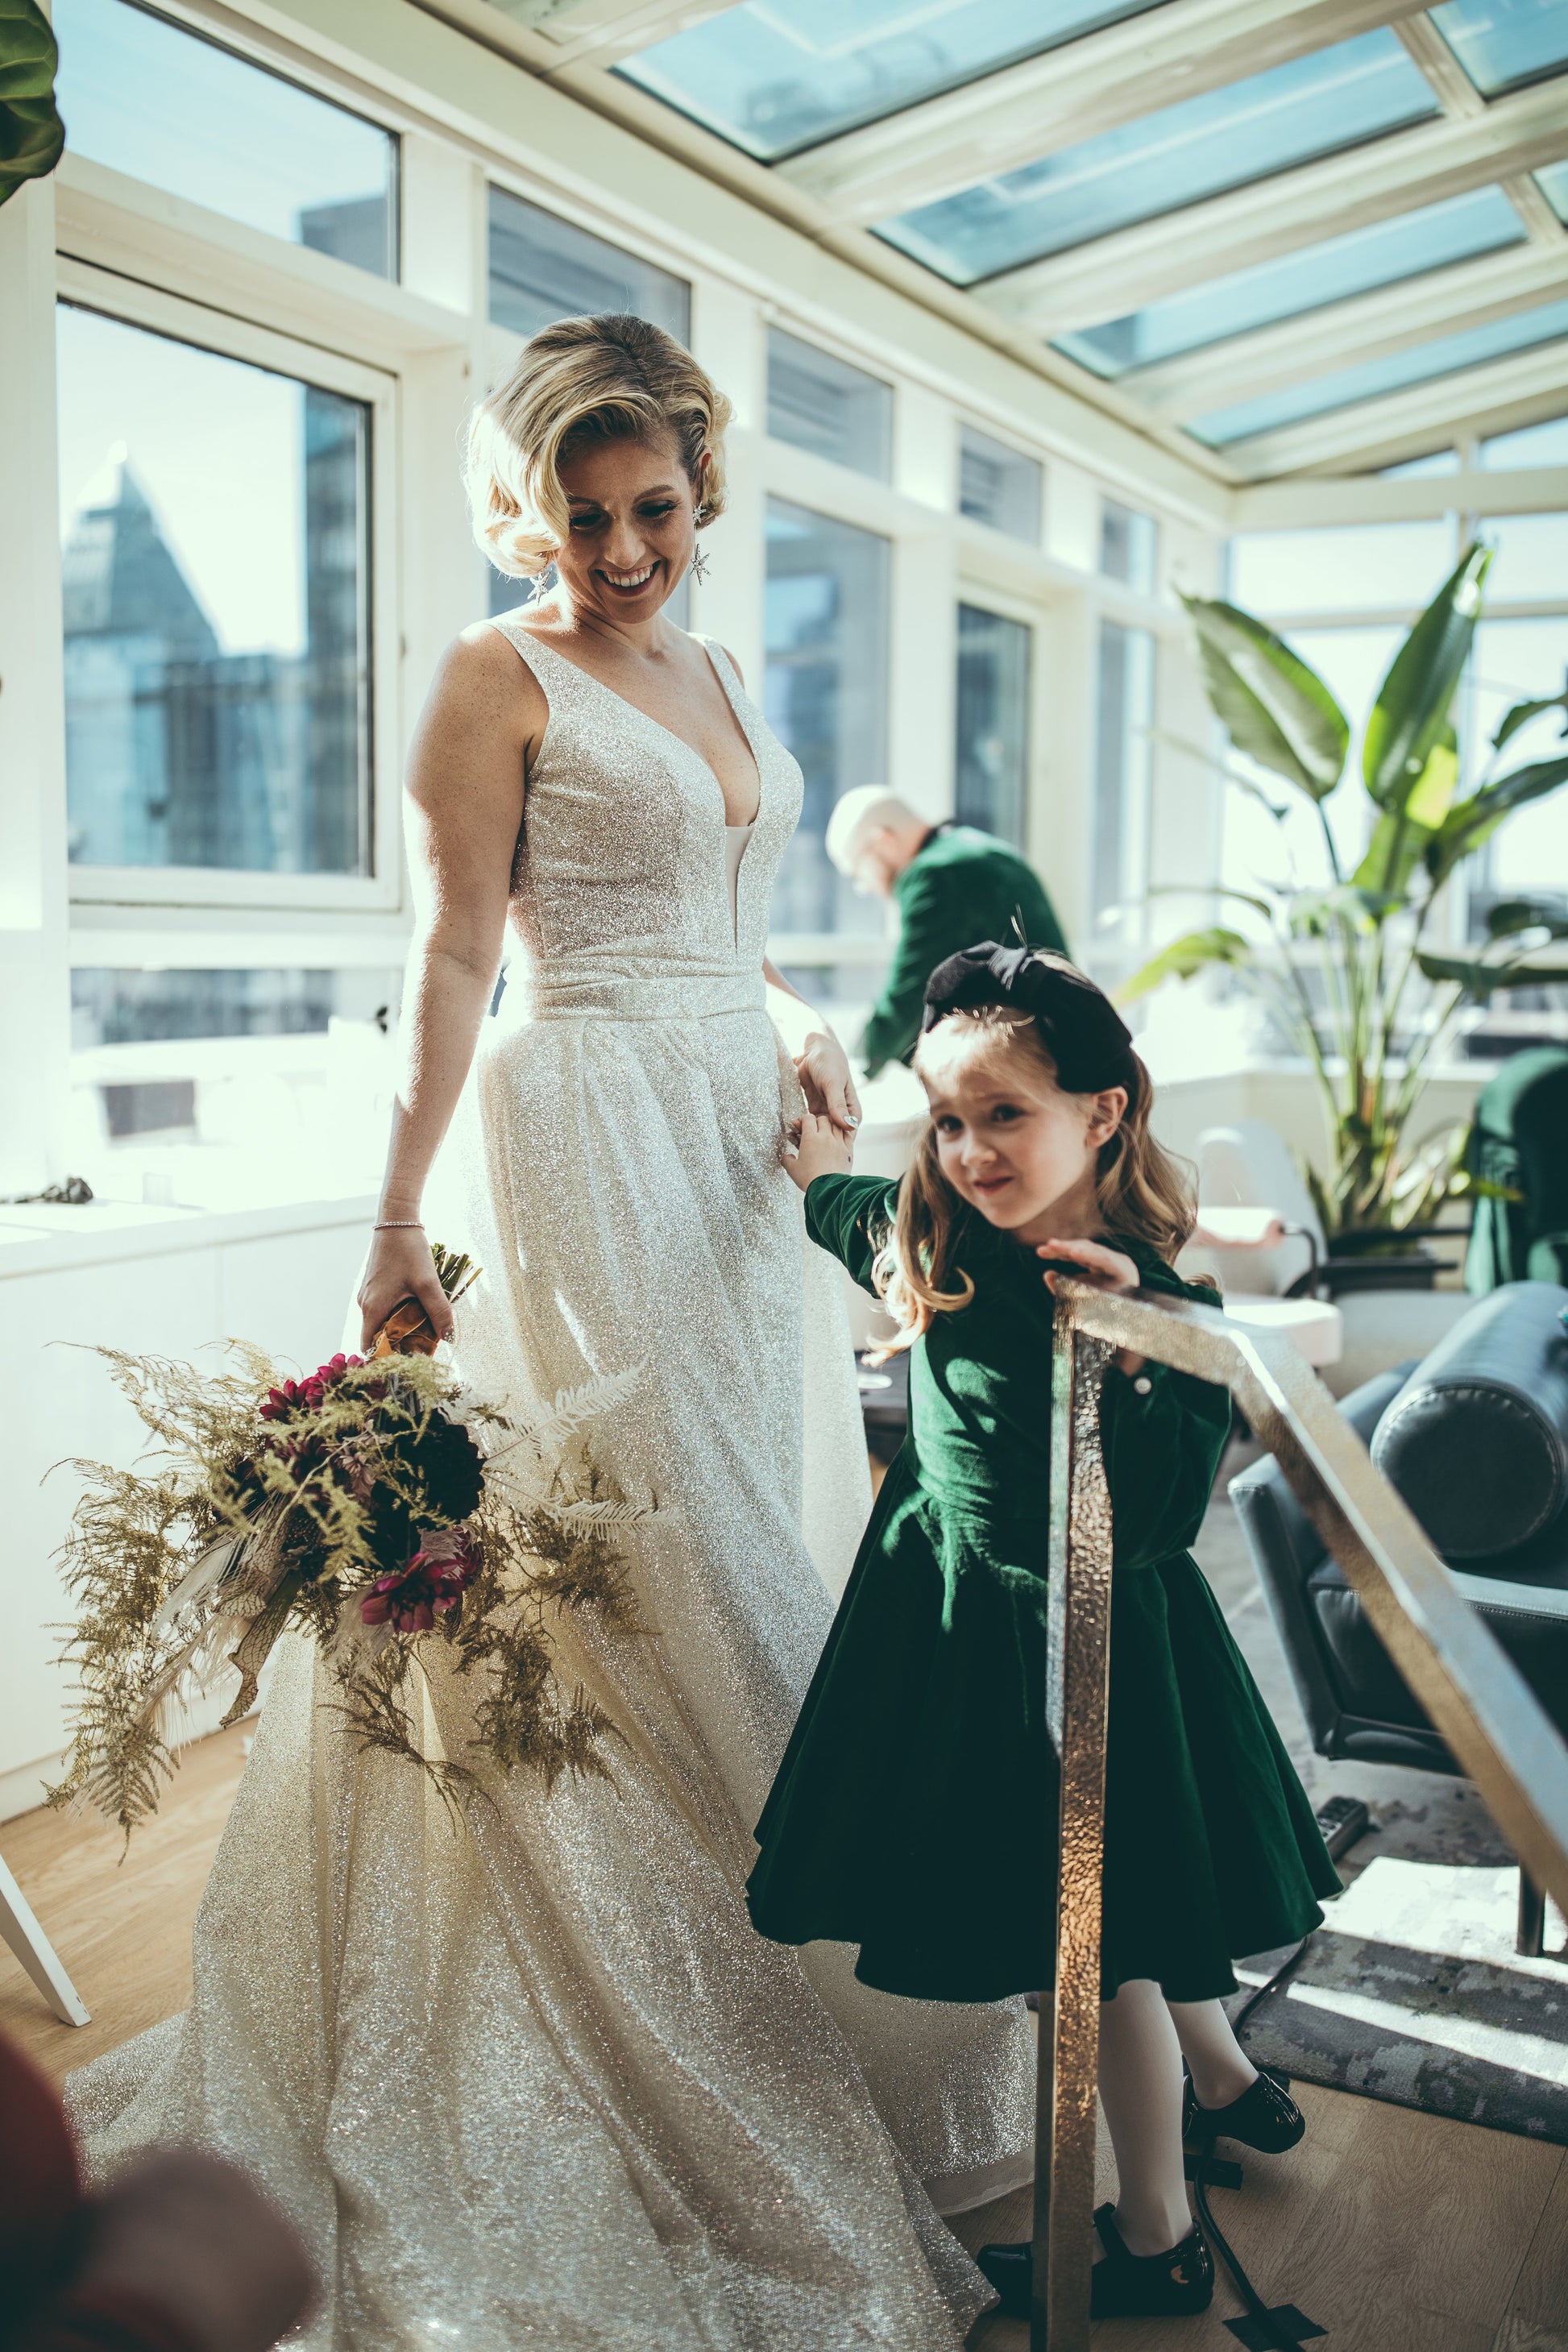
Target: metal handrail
[[1474, 1694]]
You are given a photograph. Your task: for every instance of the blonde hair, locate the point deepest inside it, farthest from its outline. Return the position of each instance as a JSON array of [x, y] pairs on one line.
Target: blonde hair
[[1143, 1194], [607, 378]]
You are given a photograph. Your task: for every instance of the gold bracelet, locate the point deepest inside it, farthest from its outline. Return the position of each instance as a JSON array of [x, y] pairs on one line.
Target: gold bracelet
[[400, 1224]]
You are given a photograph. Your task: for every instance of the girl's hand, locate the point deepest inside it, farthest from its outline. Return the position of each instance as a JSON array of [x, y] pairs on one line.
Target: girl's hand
[[823, 1069], [399, 1267], [820, 1150], [1107, 1269]]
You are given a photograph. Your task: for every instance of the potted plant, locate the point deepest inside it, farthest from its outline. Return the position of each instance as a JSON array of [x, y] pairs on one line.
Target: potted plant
[[1344, 963]]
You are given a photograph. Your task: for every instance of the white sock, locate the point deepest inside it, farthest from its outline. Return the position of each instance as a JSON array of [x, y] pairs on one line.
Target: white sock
[[1140, 2091], [1221, 2069]]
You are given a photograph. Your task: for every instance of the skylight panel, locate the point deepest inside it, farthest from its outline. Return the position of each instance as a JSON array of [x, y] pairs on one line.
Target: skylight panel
[[1343, 387], [1311, 106], [776, 75], [1553, 186], [1503, 43], [1482, 221]]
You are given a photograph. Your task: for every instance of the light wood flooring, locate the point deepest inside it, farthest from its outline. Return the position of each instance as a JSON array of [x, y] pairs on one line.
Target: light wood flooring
[[1396, 2232]]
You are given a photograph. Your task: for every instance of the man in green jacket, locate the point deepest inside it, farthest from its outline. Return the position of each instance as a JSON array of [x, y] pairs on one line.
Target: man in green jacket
[[954, 887]]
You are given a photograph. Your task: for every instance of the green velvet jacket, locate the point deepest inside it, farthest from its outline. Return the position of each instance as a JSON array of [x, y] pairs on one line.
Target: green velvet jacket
[[914, 1813], [960, 887]]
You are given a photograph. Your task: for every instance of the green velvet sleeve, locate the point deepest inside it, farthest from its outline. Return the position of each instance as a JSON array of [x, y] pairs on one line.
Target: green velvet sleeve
[[895, 1022], [1162, 1448], [850, 1217]]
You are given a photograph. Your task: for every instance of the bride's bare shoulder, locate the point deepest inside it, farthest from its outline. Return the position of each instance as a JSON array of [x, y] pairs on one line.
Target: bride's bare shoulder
[[481, 679]]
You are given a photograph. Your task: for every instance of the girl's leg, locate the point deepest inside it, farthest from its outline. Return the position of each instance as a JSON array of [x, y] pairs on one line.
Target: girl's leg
[[1140, 2091], [1220, 2068]]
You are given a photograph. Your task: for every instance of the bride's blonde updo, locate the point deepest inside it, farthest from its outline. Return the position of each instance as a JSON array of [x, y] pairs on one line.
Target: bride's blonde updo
[[607, 378]]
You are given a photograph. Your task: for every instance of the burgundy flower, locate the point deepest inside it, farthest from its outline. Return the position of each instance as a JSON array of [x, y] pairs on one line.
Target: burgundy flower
[[435, 1580], [306, 1395]]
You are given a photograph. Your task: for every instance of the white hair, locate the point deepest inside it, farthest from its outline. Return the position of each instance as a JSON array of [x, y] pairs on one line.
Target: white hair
[[860, 814]]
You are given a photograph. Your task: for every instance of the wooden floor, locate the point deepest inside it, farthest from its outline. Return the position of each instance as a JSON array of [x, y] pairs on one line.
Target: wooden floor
[[1396, 2232]]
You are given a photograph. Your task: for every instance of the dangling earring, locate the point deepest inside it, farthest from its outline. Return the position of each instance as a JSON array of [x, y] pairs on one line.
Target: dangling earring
[[699, 560]]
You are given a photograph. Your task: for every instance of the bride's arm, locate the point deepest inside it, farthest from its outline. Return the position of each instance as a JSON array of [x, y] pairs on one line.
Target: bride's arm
[[822, 1065], [464, 809]]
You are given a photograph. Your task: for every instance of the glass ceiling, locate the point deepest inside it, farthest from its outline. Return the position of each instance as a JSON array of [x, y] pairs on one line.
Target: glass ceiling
[[1223, 138], [1395, 369], [776, 75], [1502, 43], [777, 78], [1405, 246]]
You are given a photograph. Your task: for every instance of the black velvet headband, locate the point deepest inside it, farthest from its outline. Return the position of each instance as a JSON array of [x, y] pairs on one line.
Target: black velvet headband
[[1085, 1035]]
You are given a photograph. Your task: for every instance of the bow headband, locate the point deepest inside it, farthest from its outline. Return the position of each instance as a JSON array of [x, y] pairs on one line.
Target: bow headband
[[1085, 1035]]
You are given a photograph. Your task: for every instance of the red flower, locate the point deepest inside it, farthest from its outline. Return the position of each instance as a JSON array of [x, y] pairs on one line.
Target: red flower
[[306, 1395], [435, 1580]]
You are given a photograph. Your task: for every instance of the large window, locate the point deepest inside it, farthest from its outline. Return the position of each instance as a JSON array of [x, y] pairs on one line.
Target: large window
[[214, 522], [824, 405], [542, 267], [161, 104], [998, 485], [991, 751], [1124, 721], [1129, 546], [826, 696]]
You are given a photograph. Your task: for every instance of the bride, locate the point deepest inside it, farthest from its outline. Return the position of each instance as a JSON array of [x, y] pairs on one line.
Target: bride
[[540, 2085]]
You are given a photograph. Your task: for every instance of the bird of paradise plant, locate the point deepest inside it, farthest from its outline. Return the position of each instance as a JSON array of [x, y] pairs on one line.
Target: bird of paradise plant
[[1344, 965]]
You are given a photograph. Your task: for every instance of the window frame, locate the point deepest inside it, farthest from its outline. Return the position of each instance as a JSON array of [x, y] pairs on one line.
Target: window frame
[[381, 890]]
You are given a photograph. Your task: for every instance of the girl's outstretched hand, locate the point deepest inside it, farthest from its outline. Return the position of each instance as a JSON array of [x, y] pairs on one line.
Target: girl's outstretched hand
[[1107, 1269], [820, 1150]]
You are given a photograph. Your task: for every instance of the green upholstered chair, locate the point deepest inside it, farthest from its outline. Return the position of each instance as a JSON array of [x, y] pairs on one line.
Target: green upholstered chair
[[1520, 1138]]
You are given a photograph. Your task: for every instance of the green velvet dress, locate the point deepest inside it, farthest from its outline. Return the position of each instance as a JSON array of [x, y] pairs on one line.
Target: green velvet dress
[[914, 1813]]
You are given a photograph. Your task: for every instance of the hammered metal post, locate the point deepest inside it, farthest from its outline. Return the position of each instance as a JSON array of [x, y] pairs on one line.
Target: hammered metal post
[[1077, 1664]]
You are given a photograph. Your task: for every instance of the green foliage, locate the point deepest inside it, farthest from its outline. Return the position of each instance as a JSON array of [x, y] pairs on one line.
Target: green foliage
[[32, 136], [1343, 966], [1274, 708]]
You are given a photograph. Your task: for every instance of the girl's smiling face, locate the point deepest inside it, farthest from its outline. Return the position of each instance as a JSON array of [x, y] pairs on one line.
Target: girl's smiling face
[[1013, 1146]]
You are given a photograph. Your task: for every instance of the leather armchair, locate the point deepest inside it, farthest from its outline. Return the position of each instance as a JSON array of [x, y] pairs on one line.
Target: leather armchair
[[1505, 1368]]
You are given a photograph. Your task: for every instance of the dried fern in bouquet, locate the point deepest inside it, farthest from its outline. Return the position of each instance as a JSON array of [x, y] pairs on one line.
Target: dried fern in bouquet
[[378, 1506]]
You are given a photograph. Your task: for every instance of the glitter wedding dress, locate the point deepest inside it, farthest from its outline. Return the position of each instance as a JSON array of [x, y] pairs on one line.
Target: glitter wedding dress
[[538, 2083]]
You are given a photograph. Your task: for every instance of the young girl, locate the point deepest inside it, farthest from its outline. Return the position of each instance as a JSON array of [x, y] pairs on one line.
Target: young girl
[[909, 1813]]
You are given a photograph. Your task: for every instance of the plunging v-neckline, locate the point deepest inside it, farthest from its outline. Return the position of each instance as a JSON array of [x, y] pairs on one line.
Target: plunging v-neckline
[[706, 765]]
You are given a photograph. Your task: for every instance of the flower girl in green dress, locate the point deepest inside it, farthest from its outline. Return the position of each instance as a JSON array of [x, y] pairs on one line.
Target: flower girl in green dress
[[906, 1814]]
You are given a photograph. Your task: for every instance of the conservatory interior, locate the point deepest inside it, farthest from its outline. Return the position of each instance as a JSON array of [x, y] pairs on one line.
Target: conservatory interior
[[1149, 447]]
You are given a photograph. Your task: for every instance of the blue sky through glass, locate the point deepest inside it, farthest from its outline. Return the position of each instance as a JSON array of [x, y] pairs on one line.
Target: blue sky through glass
[[148, 98], [1553, 184], [776, 75], [1502, 43], [1224, 139], [1343, 386], [1462, 227]]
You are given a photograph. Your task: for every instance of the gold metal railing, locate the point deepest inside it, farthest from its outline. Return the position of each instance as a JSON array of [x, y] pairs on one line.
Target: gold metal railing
[[1472, 1691]]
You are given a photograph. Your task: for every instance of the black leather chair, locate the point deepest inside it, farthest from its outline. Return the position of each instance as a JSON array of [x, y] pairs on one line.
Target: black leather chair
[[1475, 1438]]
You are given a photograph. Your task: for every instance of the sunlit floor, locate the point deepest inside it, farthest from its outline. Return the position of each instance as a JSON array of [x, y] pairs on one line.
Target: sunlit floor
[[1396, 2232]]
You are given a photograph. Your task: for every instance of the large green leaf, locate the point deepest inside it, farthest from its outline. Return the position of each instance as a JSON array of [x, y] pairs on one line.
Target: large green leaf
[[1480, 978], [1471, 822], [1274, 708], [1412, 708], [1192, 953], [1400, 838], [32, 136]]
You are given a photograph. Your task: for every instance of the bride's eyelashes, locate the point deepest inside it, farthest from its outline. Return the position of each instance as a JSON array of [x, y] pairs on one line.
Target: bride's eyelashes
[[587, 523]]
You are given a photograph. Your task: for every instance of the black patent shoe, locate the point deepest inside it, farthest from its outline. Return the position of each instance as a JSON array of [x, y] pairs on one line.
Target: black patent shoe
[[1264, 2117], [1011, 2271], [1169, 2285]]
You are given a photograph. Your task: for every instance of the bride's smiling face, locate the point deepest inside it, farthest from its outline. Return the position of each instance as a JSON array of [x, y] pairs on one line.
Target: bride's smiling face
[[633, 527]]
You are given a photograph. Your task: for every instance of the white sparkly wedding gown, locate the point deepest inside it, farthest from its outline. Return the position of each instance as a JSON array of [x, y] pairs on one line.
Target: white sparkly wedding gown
[[538, 2083]]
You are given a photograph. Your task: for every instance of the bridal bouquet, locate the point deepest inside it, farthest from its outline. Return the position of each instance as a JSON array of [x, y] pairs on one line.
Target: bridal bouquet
[[377, 1505]]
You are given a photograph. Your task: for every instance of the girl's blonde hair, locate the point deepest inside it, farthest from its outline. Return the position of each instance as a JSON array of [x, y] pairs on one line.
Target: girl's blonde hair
[[1143, 1192], [607, 378]]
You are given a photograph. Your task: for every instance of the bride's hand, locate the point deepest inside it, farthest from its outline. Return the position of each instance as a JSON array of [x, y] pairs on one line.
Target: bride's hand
[[399, 1267], [823, 1069]]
